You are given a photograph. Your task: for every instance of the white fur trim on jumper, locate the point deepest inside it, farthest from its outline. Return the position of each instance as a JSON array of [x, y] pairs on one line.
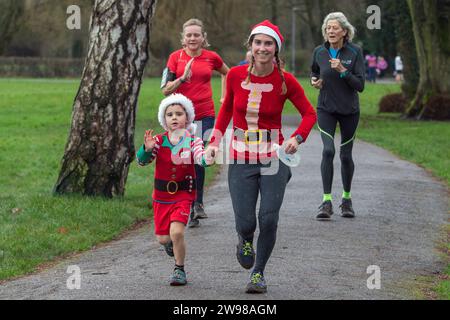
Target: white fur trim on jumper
[[267, 31], [182, 100]]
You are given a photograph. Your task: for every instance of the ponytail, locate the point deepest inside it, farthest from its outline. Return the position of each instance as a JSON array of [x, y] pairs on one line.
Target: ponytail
[[280, 71], [251, 65]]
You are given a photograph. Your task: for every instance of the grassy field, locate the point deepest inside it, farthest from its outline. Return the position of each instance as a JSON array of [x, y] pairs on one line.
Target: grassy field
[[37, 227]]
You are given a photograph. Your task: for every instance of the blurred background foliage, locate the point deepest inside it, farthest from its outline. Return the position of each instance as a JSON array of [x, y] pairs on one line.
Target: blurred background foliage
[[37, 28]]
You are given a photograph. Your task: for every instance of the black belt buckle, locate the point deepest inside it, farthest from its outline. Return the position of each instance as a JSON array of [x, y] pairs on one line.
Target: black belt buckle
[[257, 136], [253, 136], [172, 186]]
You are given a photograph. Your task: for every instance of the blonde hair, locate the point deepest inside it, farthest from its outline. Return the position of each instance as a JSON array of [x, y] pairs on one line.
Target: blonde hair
[[343, 21], [199, 23], [251, 65]]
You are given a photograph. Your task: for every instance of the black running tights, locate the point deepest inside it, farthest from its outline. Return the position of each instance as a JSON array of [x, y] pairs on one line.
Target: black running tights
[[327, 125]]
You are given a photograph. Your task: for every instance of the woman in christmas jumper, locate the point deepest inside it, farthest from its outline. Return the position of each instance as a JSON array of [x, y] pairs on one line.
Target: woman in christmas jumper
[[189, 71], [175, 151], [255, 98]]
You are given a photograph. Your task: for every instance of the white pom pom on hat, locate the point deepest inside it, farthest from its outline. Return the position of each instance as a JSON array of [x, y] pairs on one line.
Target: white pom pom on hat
[[186, 103]]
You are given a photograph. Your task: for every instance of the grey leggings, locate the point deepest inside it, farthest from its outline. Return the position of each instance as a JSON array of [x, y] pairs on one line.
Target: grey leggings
[[246, 182]]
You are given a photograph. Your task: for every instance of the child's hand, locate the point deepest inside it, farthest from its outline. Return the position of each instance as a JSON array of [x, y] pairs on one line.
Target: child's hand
[[149, 140], [211, 154]]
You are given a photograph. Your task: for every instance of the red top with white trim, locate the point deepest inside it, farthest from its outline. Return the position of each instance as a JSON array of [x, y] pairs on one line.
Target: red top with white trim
[[198, 87], [259, 105]]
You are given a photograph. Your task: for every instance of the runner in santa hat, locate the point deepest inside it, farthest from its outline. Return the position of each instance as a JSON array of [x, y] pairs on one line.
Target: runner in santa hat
[[175, 151], [255, 97]]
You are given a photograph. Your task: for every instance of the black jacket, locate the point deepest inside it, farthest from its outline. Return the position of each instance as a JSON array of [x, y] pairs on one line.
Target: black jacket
[[339, 94]]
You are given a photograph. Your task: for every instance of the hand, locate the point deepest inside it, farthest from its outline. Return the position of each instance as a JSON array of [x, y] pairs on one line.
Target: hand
[[291, 146], [316, 83], [337, 65], [187, 71], [149, 140], [211, 154]]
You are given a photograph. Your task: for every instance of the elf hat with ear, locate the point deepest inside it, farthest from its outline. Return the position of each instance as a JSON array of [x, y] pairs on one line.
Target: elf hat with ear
[[179, 99]]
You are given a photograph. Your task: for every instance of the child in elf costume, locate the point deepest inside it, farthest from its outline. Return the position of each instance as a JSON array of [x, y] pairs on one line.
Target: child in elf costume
[[175, 151]]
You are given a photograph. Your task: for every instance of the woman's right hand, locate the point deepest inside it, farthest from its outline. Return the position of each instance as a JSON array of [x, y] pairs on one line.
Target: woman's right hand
[[149, 140], [316, 83], [187, 71]]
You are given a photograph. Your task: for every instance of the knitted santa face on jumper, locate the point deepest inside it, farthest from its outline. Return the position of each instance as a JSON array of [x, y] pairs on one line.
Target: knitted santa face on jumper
[[268, 28], [181, 100]]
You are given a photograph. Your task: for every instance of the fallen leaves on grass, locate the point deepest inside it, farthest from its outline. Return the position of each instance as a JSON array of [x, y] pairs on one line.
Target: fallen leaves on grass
[[63, 230], [16, 210]]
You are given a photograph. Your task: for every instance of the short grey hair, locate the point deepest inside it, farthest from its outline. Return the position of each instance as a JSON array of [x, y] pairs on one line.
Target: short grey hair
[[343, 21]]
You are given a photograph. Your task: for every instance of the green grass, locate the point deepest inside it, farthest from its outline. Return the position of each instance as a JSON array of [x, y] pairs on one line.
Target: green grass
[[443, 288], [35, 226]]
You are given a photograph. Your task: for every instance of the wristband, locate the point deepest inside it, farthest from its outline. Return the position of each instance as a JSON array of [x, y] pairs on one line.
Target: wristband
[[344, 74]]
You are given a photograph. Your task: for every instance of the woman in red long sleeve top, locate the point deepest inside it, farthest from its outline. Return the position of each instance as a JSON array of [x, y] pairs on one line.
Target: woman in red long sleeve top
[[254, 99], [258, 105]]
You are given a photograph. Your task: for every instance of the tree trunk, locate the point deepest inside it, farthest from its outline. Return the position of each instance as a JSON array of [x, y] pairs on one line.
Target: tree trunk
[[10, 12], [430, 20], [100, 147], [316, 14], [274, 11], [405, 41]]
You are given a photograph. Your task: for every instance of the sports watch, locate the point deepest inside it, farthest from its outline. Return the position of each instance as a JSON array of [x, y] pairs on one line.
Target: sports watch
[[298, 138]]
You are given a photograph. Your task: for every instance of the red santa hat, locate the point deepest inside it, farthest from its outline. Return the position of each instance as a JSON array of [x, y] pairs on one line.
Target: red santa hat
[[186, 103], [268, 28]]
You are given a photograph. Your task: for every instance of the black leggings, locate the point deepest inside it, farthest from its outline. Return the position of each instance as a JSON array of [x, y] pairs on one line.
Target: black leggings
[[327, 125], [246, 182], [203, 130]]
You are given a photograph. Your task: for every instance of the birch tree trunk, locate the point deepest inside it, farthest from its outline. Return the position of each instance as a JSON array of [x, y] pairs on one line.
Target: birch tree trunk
[[100, 146], [430, 20]]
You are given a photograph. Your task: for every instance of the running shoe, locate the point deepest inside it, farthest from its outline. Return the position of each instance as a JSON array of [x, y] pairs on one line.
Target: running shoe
[[199, 211], [257, 283], [169, 248], [178, 278], [325, 211], [193, 222], [245, 254], [347, 209]]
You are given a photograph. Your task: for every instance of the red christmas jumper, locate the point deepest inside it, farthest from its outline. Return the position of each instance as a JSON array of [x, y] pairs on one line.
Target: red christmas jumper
[[259, 105]]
